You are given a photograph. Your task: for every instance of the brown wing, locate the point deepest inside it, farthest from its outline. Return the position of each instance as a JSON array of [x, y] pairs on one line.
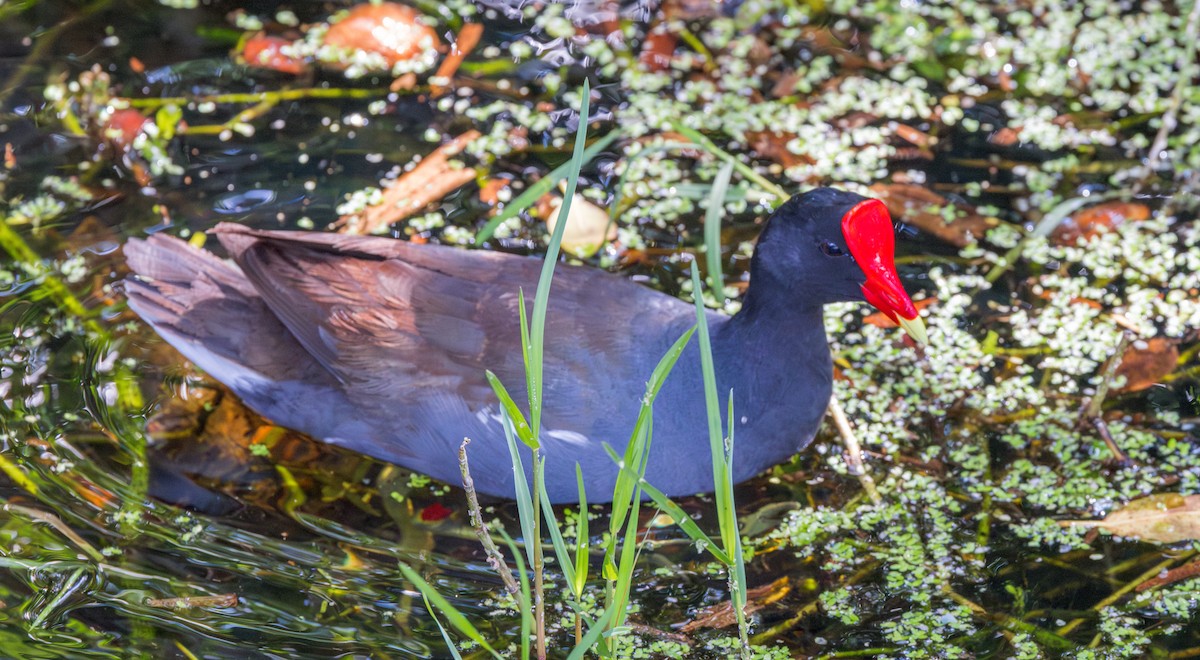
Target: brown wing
[[398, 324]]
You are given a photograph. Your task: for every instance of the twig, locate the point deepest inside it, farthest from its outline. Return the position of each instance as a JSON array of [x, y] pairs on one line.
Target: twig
[[1049, 639], [494, 558], [1092, 411], [811, 607], [431, 180], [1188, 570], [466, 41], [1120, 593], [58, 524], [1187, 63], [853, 450]]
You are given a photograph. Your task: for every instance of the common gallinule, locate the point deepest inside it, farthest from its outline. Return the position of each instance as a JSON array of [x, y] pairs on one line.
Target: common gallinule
[[380, 345]]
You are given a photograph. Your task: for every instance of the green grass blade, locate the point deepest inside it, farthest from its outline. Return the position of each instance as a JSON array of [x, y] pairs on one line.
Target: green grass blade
[[712, 404], [625, 485], [712, 231], [526, 604], [678, 515], [541, 299], [582, 536], [738, 571], [456, 618], [711, 147], [442, 629], [629, 551], [592, 636], [561, 552], [543, 186], [522, 494], [510, 409], [533, 382]]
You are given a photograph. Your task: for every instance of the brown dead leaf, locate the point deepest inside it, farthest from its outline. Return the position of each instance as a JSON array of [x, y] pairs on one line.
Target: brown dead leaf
[[432, 179], [268, 52], [1147, 362], [1179, 574], [489, 192], [721, 615], [772, 145], [690, 10], [1167, 518], [658, 49], [921, 208], [392, 30], [1096, 219], [588, 226]]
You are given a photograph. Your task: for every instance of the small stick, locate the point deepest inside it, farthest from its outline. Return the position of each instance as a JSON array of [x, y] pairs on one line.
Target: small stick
[[853, 450], [1188, 570], [1092, 411], [494, 558], [466, 41], [1119, 593], [432, 179]]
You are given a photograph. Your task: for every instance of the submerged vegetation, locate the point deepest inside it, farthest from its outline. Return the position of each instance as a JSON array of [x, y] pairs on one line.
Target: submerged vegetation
[[1044, 156]]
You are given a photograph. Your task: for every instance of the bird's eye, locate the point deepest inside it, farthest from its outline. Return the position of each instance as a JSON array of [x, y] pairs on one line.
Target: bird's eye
[[831, 249]]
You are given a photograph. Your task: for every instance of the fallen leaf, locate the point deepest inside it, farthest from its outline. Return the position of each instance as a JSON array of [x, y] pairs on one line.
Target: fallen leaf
[[1094, 220], [1167, 518], [912, 135], [123, 126], [1147, 362], [1005, 137], [489, 192], [267, 53], [922, 207], [1178, 574], [588, 226], [772, 145], [394, 31], [657, 49]]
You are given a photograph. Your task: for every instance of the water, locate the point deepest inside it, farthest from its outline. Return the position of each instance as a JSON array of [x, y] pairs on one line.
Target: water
[[132, 480]]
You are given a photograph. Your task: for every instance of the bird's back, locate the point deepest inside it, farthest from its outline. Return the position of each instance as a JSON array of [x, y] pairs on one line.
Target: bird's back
[[380, 346]]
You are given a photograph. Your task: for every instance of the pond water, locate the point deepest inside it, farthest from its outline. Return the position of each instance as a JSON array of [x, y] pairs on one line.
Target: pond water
[[1042, 161]]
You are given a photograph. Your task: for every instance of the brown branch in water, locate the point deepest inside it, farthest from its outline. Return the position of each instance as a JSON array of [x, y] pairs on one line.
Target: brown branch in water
[[1122, 592], [853, 450], [494, 558], [1092, 410], [431, 180], [1185, 67], [185, 602], [1187, 571], [811, 607], [466, 41]]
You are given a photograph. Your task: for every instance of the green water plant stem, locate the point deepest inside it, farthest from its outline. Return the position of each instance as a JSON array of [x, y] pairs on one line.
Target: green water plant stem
[[722, 464], [545, 185], [746, 171]]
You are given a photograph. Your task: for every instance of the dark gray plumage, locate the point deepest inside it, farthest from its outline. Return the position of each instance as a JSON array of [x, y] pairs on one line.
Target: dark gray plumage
[[380, 346]]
